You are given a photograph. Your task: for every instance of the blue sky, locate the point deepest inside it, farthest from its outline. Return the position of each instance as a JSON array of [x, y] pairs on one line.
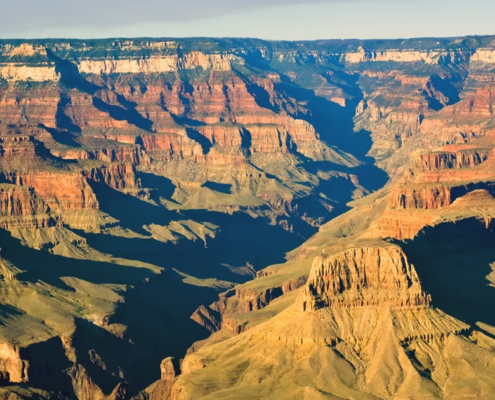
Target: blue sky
[[266, 19]]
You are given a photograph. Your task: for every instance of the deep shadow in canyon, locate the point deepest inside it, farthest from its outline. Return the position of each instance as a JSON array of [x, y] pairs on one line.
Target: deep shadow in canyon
[[233, 244], [333, 122], [161, 186], [41, 265], [241, 239], [335, 125], [453, 261], [157, 312]]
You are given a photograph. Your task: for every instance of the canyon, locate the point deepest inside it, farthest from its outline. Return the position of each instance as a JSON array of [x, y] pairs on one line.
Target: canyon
[[237, 218]]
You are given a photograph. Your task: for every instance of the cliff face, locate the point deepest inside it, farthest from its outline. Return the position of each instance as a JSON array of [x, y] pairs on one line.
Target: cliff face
[[363, 277], [69, 191], [411, 55], [116, 176], [21, 207], [433, 185]]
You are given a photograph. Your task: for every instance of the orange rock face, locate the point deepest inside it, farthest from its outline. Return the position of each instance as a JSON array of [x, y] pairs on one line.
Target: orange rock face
[[434, 182], [116, 176], [16, 200], [65, 190], [365, 276], [20, 207]]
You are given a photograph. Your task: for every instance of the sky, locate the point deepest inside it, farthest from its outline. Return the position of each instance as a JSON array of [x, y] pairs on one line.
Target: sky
[[265, 19]]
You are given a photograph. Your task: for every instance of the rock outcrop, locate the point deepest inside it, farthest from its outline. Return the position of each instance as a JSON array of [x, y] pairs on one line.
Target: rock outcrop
[[20, 207], [363, 276]]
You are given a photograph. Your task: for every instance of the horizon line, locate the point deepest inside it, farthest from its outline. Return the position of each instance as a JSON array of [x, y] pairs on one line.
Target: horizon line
[[247, 38]]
